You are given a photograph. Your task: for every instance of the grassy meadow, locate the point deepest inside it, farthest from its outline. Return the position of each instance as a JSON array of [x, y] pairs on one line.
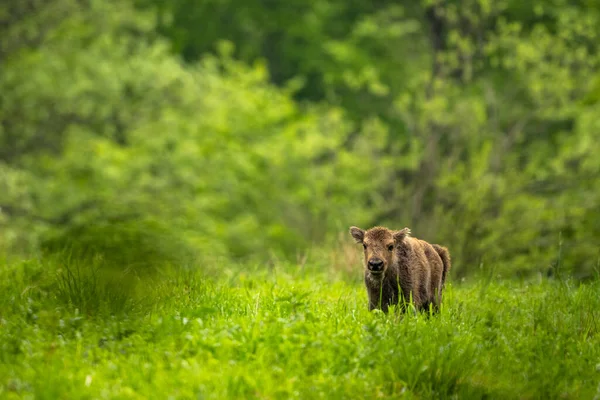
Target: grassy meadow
[[74, 329]]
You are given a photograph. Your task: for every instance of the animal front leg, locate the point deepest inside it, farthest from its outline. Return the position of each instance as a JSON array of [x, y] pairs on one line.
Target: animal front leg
[[375, 299]]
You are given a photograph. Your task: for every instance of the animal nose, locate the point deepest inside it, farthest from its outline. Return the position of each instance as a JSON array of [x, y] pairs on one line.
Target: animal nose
[[375, 264]]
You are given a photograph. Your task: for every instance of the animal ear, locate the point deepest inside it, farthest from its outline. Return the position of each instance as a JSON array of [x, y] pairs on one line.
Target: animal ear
[[357, 233], [401, 234]]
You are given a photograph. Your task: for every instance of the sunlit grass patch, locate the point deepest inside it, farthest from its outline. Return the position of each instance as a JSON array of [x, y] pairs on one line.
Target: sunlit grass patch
[[287, 332]]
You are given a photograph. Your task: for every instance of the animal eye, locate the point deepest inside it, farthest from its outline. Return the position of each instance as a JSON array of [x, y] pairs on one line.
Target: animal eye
[[390, 247], [364, 246]]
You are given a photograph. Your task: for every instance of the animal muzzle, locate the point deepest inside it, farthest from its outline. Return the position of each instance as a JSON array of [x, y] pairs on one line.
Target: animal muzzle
[[375, 265]]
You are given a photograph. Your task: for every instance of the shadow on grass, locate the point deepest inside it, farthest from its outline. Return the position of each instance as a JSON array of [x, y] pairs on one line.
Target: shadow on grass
[[113, 267], [93, 286]]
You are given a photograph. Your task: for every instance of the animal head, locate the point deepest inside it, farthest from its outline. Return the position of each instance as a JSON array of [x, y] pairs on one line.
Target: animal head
[[379, 244]]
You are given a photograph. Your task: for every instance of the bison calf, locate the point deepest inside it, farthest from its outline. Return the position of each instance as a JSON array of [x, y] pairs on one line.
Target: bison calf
[[401, 267]]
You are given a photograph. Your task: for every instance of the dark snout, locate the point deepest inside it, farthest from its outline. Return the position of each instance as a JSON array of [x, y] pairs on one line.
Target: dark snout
[[375, 265]]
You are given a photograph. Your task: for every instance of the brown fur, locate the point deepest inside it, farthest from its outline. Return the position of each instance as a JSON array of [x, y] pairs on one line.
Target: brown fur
[[413, 270]]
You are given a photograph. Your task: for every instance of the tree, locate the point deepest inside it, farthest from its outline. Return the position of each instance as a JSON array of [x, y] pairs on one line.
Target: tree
[[128, 148]]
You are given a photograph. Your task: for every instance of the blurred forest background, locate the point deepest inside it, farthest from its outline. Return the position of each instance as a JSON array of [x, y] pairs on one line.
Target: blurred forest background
[[253, 130]]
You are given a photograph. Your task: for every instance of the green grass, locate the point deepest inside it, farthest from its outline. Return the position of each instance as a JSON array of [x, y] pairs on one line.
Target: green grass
[[281, 333]]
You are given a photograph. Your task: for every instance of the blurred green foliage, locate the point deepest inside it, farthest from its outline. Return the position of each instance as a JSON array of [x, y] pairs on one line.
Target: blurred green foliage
[[222, 129]]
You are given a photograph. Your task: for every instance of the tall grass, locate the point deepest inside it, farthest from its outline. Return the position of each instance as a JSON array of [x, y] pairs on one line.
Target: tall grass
[[72, 328]]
